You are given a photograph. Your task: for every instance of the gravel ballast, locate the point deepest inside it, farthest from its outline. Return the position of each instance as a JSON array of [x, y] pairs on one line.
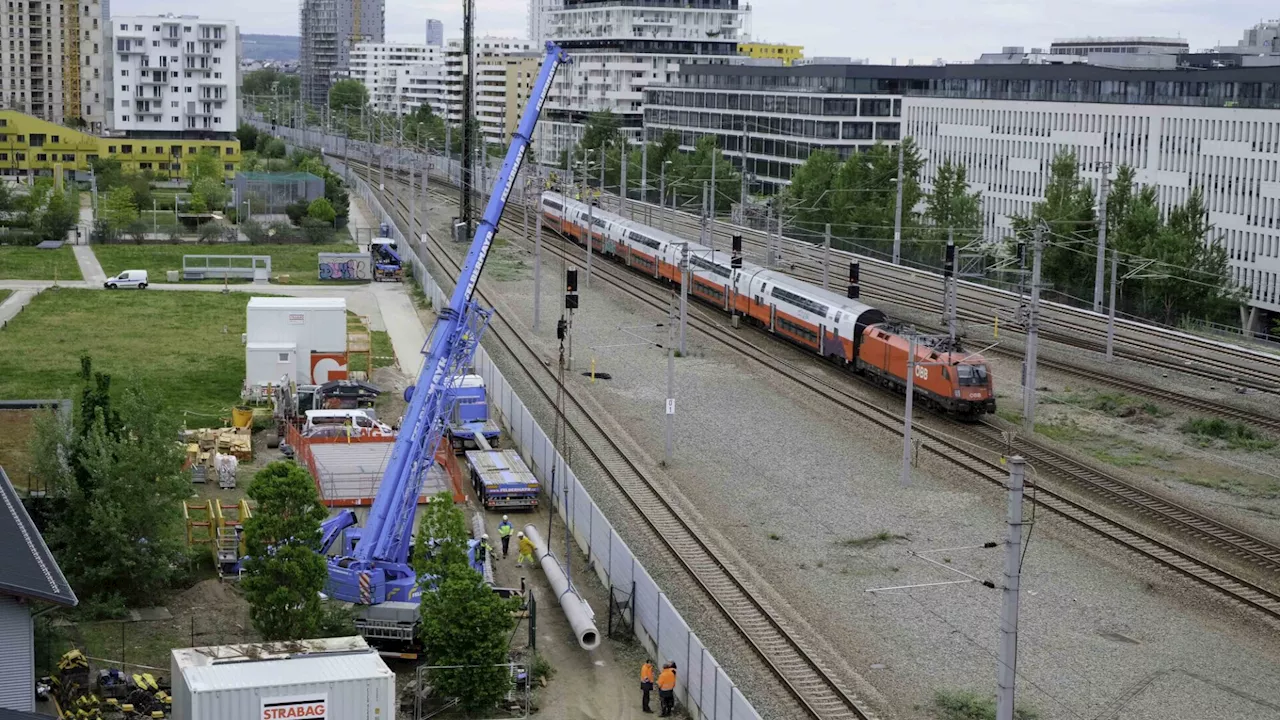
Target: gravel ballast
[[793, 488]]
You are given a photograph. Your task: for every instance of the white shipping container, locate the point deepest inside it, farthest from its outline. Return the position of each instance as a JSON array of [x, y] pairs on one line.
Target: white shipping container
[[326, 679], [311, 325]]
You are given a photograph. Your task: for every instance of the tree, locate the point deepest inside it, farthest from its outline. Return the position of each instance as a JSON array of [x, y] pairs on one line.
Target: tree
[[284, 572], [809, 195], [317, 232], [951, 204], [248, 136], [107, 172], [321, 210], [464, 623], [348, 96], [337, 196], [693, 170], [209, 195], [1191, 274], [115, 474], [119, 209], [206, 165], [60, 215], [1072, 237]]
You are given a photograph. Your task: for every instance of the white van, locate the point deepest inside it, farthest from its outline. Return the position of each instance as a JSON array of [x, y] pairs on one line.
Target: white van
[[360, 421], [128, 278]]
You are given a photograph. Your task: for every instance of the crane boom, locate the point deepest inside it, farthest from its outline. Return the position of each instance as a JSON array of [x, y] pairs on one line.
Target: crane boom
[[377, 569]]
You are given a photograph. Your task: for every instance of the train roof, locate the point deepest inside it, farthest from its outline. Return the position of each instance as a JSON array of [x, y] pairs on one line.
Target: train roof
[[647, 230], [836, 300]]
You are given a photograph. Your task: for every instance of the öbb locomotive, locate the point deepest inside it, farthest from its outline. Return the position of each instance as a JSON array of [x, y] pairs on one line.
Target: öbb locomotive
[[841, 329]]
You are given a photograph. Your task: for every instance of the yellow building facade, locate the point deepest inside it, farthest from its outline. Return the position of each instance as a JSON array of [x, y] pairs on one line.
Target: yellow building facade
[[772, 51], [30, 146]]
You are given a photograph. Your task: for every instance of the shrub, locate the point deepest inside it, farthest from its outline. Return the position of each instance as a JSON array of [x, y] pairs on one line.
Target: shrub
[[296, 211], [1234, 433]]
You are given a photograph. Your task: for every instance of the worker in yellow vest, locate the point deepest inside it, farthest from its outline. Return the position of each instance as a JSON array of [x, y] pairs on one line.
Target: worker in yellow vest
[[504, 532], [526, 550]]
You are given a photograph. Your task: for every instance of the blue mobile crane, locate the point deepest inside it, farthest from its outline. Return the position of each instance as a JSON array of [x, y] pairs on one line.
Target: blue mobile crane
[[371, 569]]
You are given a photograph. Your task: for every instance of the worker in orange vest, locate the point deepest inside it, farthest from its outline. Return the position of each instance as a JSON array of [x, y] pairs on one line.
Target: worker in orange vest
[[646, 685], [667, 689]]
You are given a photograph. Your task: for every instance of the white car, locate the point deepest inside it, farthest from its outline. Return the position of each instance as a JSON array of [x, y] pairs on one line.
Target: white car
[[128, 278]]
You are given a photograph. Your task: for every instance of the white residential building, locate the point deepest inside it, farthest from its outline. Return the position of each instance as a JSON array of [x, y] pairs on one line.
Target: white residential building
[[418, 85], [1216, 129], [54, 67], [381, 66], [494, 57], [538, 14], [173, 76], [620, 48]]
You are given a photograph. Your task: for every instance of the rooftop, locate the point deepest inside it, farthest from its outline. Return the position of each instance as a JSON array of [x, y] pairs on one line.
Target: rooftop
[[27, 568]]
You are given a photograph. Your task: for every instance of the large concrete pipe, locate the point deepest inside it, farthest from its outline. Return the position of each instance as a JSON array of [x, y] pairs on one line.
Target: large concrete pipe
[[575, 608]]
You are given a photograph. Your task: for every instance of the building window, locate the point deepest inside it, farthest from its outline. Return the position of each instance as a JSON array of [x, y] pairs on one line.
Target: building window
[[124, 26], [175, 119], [126, 149], [125, 118], [41, 157], [111, 149], [70, 157]]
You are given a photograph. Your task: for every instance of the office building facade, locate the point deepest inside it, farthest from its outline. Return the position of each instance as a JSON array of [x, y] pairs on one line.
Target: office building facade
[[1215, 129], [782, 114], [620, 48], [435, 33], [1087, 46], [329, 30], [173, 76], [54, 67]]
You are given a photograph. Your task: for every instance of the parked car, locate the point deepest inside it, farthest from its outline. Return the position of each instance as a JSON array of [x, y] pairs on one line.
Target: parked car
[[128, 278]]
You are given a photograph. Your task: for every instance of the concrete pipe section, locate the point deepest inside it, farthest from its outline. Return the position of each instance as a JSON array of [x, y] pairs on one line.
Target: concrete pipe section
[[575, 608]]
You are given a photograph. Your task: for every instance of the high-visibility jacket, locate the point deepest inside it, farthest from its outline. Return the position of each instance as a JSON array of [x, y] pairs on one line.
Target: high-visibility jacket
[[667, 680], [526, 546], [504, 529], [646, 672]]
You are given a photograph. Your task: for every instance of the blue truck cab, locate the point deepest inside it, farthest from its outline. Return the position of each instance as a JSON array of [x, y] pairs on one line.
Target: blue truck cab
[[471, 415]]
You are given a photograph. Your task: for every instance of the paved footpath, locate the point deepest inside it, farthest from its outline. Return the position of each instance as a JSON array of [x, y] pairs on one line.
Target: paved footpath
[[13, 304], [402, 324], [90, 268]]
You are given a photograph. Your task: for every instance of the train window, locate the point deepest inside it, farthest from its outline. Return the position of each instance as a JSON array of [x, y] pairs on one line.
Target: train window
[[972, 375], [801, 301], [708, 266], [945, 375]]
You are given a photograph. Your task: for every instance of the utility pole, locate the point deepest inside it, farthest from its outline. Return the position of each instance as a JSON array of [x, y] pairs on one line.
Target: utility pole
[[1102, 237], [1007, 671], [1111, 313], [537, 273], [905, 479], [1033, 322], [897, 211], [413, 199], [591, 228], [742, 186], [711, 203], [684, 294], [768, 238], [948, 284], [644, 171], [468, 70], [662, 190], [778, 246], [826, 255], [622, 191], [670, 416], [702, 229]]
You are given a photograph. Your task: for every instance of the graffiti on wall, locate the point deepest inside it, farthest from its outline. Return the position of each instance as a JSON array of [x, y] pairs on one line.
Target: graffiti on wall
[[344, 266]]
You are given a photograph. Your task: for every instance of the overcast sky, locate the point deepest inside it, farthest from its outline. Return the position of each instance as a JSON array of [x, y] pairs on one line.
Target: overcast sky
[[918, 29]]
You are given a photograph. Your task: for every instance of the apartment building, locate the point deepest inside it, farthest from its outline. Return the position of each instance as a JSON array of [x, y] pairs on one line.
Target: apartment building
[[435, 33], [329, 30], [497, 58], [172, 76], [622, 47], [53, 67], [539, 10], [769, 119], [383, 69], [1216, 129], [786, 54]]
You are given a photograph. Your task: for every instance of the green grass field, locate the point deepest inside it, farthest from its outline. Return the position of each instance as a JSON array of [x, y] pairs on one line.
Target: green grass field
[[379, 341], [299, 262], [171, 341], [4, 295], [28, 263]]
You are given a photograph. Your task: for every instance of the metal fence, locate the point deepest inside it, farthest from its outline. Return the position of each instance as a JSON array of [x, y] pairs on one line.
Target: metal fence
[[703, 687]]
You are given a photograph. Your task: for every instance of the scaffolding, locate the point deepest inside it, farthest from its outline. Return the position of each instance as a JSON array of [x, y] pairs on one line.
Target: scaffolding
[[71, 60]]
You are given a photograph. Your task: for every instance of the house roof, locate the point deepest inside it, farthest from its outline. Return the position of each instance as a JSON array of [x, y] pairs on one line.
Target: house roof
[[27, 568]]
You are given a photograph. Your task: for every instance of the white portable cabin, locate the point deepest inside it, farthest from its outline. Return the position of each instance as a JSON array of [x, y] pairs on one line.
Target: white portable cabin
[[303, 339]]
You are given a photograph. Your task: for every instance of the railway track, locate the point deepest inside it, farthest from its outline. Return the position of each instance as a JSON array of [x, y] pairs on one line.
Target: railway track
[[948, 444], [814, 689], [1077, 328]]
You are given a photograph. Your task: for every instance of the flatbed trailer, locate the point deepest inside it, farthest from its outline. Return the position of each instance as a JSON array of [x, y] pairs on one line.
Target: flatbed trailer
[[501, 480]]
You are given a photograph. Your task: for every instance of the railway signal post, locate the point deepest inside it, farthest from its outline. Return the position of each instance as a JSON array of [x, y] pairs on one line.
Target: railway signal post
[[1033, 335], [949, 285], [684, 293], [1008, 654]]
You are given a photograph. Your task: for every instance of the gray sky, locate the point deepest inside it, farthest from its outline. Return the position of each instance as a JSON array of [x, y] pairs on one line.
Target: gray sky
[[918, 29]]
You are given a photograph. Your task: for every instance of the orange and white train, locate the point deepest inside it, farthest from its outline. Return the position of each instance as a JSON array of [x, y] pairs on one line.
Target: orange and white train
[[839, 328]]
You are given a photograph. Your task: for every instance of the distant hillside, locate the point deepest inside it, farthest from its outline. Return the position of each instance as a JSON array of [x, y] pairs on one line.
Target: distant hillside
[[269, 48]]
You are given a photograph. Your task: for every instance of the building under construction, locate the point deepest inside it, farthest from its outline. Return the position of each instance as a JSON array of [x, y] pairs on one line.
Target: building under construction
[[55, 64], [329, 29]]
